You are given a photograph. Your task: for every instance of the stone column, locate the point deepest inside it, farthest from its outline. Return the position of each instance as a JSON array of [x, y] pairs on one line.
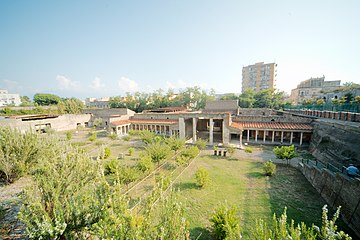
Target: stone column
[[273, 136], [282, 136], [264, 136], [256, 134], [211, 131], [248, 135], [194, 120], [241, 133], [182, 128], [291, 137], [301, 138]]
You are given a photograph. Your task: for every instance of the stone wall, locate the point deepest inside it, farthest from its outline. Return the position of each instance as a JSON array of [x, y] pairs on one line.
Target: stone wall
[[337, 190], [336, 142], [60, 123]]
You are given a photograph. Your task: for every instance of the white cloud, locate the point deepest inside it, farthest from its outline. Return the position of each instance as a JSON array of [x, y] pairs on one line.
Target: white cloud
[[97, 84], [180, 84], [11, 86], [128, 85], [66, 83]]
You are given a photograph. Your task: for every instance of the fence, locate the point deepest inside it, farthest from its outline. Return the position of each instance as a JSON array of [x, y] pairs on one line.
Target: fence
[[342, 107]]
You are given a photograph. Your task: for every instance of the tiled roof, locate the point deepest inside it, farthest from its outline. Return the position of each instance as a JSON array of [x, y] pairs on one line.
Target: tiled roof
[[121, 122], [271, 125], [146, 121]]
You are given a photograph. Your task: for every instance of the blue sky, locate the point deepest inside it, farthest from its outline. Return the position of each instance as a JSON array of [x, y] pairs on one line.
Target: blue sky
[[106, 48]]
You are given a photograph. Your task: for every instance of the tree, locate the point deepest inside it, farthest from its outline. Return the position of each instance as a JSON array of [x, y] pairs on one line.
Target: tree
[[246, 99], [70, 106], [285, 152], [158, 152], [46, 99], [25, 101], [202, 177], [175, 143], [225, 223]]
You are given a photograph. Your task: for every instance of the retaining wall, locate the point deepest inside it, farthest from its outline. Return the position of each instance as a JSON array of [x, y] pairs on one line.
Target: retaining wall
[[338, 190]]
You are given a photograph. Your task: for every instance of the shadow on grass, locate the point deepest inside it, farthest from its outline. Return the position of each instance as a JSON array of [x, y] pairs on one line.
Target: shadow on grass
[[186, 185], [255, 175], [200, 233], [232, 159], [289, 188]]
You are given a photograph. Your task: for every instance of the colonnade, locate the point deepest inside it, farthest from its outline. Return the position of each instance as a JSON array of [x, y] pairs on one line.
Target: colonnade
[[281, 132]]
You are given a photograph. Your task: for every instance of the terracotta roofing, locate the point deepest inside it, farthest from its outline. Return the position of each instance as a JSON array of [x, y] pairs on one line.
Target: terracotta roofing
[[146, 121], [271, 125]]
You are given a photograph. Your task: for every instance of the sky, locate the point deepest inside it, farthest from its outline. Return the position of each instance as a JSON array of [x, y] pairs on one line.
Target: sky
[[107, 48]]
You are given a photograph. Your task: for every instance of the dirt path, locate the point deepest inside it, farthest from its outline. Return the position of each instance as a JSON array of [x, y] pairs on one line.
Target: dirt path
[[10, 226]]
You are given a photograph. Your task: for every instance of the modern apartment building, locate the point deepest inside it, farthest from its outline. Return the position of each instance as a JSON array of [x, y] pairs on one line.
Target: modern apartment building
[[98, 102], [312, 89], [259, 76], [7, 98]]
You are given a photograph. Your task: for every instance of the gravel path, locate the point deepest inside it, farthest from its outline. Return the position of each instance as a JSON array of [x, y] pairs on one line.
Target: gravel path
[[10, 226]]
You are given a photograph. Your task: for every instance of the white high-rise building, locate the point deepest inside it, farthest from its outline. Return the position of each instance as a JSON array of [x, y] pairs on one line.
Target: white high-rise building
[[7, 98]]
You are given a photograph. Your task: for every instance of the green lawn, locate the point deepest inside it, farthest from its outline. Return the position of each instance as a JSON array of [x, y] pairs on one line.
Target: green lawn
[[242, 183]]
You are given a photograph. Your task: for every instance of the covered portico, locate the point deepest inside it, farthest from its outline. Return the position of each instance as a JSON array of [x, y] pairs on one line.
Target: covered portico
[[273, 133]]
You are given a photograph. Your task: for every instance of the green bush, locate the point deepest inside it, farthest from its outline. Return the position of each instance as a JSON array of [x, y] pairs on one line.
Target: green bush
[[190, 152], [248, 149], [269, 168], [69, 135], [202, 177], [92, 136], [19, 153], [113, 136], [111, 166], [281, 228], [131, 151], [126, 138], [107, 153], [66, 197], [145, 163], [225, 224], [230, 150], [200, 143]]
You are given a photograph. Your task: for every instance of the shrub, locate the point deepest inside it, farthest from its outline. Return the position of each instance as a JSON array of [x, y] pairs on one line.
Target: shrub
[[248, 149], [126, 138], [66, 197], [92, 136], [107, 153], [230, 150], [145, 163], [112, 136], [202, 177], [201, 144], [269, 168], [18, 153], [285, 152], [190, 152], [158, 152], [111, 166], [182, 160], [175, 143], [281, 229], [131, 151], [69, 135], [225, 224]]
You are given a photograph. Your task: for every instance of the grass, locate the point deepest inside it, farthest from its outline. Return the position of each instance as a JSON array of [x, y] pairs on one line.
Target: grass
[[242, 183]]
